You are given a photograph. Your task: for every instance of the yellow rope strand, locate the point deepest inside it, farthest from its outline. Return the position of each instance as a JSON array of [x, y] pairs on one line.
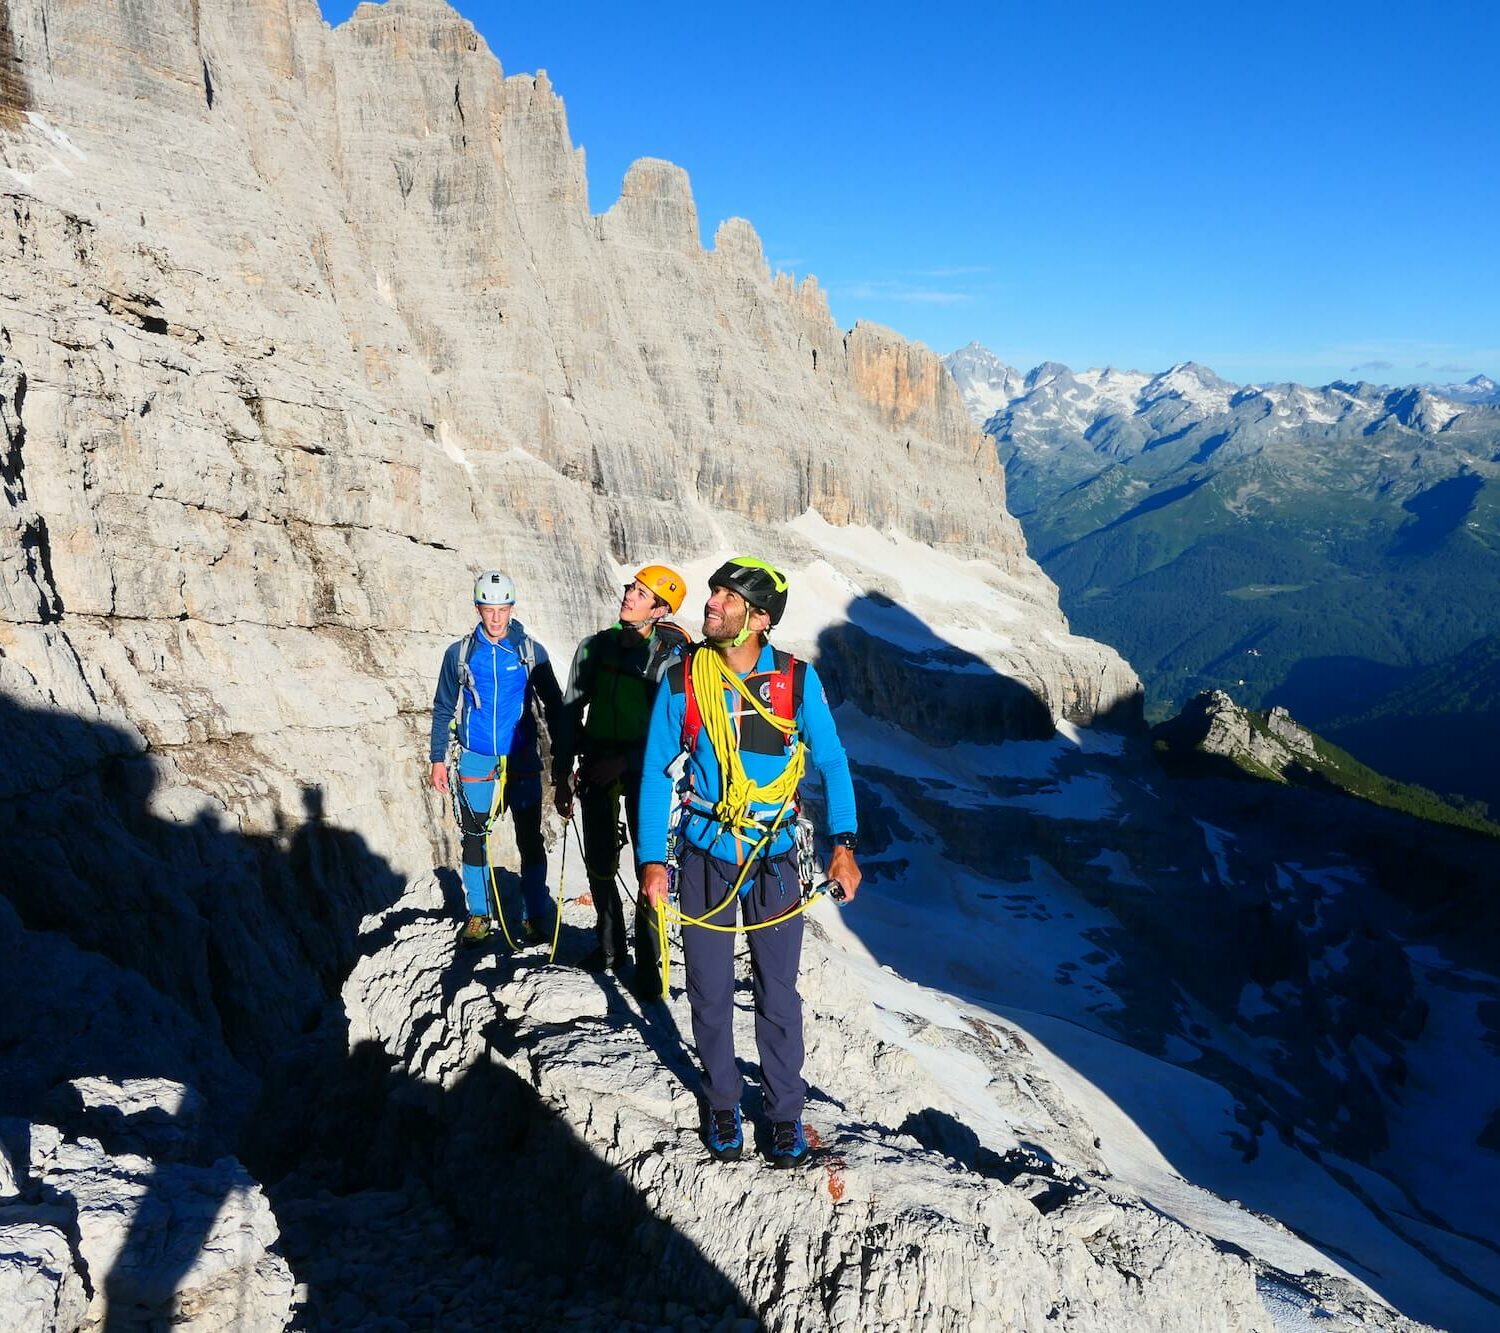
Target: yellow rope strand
[[711, 676], [738, 929], [561, 876], [664, 949], [497, 804]]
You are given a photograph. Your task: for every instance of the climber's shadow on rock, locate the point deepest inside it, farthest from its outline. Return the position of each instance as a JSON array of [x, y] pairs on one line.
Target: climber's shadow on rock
[[171, 989]]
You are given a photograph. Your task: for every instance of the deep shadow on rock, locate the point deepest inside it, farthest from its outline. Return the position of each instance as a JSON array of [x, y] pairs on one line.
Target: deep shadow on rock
[[960, 696], [556, 1226], [142, 948], [1204, 880]]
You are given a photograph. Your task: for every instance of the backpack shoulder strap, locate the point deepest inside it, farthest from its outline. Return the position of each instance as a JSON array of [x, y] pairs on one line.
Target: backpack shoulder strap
[[672, 635], [786, 689], [668, 644], [525, 649], [692, 716], [467, 690]]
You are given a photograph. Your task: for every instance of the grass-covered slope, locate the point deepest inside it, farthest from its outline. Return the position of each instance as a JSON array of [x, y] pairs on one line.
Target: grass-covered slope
[[1320, 566], [1214, 737], [1440, 727]]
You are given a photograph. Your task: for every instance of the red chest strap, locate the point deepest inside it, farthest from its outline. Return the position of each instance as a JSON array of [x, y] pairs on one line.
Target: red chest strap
[[781, 687]]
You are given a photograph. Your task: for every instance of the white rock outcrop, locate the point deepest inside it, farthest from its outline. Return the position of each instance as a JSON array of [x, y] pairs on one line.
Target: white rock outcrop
[[894, 1226], [41, 1289], [123, 1239]]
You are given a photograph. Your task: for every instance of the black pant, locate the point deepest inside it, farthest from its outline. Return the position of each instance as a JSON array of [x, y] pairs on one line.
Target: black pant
[[703, 884], [599, 809]]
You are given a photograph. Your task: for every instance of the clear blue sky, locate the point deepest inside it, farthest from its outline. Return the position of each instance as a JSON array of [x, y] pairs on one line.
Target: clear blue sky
[[1280, 191]]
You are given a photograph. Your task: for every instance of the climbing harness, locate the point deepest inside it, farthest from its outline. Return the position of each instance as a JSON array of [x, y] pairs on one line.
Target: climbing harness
[[468, 694], [706, 677]]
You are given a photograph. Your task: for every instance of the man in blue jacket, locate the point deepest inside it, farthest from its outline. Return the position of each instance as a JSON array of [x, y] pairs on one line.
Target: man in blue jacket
[[746, 716], [486, 698]]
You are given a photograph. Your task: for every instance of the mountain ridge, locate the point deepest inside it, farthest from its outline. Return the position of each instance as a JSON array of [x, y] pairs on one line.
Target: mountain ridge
[[1295, 546], [304, 326], [975, 368]]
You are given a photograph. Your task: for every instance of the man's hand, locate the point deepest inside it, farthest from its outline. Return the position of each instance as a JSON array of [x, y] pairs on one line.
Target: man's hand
[[843, 868], [562, 796], [654, 887], [440, 777]]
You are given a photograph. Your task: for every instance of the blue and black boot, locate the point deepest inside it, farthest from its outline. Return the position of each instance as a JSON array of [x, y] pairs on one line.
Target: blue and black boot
[[788, 1144], [725, 1135]]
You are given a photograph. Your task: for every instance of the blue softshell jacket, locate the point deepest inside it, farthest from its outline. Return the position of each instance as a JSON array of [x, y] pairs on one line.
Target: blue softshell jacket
[[659, 801], [495, 718]]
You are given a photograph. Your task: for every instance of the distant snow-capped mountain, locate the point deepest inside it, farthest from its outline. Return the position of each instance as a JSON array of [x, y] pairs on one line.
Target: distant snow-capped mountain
[[1311, 546], [1480, 389], [986, 382], [1054, 396]]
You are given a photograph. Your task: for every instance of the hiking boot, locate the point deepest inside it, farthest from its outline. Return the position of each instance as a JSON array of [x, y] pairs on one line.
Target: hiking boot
[[596, 960], [725, 1135], [788, 1144], [532, 933], [476, 930]]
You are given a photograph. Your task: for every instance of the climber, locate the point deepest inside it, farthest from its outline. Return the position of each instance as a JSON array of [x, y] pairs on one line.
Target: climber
[[746, 716], [605, 710], [485, 703]]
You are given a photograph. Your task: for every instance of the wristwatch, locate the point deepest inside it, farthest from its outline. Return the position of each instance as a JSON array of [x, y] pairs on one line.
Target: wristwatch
[[849, 840]]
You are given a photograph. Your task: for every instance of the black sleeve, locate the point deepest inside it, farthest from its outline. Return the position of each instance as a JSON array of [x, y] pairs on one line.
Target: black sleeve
[[566, 739], [543, 683]]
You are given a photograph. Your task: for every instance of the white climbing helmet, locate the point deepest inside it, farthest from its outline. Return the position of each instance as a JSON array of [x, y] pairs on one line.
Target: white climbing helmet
[[492, 588]]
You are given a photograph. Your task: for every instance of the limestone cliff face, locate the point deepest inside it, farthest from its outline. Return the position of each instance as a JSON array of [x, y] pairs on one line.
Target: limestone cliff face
[[300, 327]]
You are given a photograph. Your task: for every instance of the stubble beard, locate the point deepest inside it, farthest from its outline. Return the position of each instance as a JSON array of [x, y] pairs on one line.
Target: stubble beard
[[727, 633]]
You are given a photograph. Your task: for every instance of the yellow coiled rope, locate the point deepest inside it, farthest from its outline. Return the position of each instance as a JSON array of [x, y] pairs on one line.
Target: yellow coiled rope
[[711, 676], [738, 792]]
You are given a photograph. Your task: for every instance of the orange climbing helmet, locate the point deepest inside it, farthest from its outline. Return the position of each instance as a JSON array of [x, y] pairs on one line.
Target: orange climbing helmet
[[665, 583]]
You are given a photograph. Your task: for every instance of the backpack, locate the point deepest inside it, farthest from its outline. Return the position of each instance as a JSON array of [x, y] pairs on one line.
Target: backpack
[[466, 686], [780, 691]]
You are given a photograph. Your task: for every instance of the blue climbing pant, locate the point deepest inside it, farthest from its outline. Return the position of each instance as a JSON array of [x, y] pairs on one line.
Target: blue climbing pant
[[477, 778], [775, 954]]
